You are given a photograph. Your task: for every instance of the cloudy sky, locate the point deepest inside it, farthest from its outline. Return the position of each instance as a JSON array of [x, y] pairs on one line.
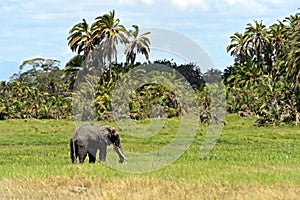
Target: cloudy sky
[[39, 28]]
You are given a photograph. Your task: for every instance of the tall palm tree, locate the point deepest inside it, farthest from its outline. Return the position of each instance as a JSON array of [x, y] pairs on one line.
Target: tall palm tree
[[273, 48], [80, 38], [138, 44], [109, 32], [277, 33], [257, 34], [238, 47], [293, 55]]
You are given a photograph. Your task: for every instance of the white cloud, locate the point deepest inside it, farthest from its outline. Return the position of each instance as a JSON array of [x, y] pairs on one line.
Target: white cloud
[[148, 2], [248, 7], [276, 1], [127, 2], [233, 2], [184, 4], [240, 2], [254, 3]]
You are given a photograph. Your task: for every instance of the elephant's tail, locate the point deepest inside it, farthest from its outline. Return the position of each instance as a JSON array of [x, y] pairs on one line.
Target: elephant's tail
[[72, 151]]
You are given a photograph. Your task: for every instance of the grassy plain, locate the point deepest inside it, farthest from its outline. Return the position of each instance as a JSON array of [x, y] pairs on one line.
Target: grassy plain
[[248, 162]]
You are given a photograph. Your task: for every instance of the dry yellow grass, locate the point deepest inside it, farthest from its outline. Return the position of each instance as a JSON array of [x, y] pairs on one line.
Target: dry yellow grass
[[137, 188]]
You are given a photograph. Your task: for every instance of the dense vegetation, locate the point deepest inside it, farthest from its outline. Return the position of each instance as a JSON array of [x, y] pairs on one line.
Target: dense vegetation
[[263, 81]]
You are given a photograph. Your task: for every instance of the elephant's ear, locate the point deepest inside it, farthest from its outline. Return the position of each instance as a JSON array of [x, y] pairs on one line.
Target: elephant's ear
[[115, 138], [109, 134], [110, 131]]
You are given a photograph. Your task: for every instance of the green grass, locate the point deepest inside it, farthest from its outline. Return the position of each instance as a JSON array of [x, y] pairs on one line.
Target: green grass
[[248, 162]]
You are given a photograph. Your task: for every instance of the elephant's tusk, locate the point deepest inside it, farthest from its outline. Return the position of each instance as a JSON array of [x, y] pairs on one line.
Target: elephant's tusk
[[120, 152]]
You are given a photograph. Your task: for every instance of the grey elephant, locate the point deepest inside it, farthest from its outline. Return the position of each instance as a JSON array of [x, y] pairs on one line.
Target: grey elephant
[[88, 139]]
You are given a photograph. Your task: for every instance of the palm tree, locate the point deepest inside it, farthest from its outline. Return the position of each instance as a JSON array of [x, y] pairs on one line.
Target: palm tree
[[73, 66], [109, 32], [257, 35], [293, 22], [80, 38], [293, 55], [138, 44], [238, 47], [273, 48], [278, 37]]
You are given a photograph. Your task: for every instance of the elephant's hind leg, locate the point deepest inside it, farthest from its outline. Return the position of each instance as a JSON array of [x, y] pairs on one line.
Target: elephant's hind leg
[[73, 153]]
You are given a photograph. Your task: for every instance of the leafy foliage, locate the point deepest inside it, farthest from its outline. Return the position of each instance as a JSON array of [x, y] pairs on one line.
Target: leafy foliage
[[264, 79], [47, 93], [40, 92]]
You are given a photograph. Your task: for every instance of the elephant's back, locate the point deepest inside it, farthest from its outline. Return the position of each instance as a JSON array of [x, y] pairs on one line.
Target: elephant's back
[[88, 132]]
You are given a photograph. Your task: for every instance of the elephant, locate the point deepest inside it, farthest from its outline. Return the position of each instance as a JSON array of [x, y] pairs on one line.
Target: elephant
[[88, 139]]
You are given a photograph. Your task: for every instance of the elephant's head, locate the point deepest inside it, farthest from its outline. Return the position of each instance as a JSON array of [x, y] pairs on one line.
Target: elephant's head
[[113, 136]]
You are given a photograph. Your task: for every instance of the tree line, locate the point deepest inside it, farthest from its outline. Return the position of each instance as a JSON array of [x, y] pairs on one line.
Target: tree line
[[262, 82], [45, 91]]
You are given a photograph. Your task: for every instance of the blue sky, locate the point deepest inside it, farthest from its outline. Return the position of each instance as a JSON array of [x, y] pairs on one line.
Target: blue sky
[[39, 28]]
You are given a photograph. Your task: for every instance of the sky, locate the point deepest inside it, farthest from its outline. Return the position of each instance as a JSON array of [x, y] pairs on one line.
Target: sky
[[39, 28]]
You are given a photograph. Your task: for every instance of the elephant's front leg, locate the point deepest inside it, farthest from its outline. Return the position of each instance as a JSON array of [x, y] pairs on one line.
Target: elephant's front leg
[[92, 155], [103, 152], [81, 151], [82, 157]]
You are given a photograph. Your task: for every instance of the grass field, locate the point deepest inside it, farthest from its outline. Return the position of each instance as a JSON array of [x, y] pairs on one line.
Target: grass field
[[248, 162]]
